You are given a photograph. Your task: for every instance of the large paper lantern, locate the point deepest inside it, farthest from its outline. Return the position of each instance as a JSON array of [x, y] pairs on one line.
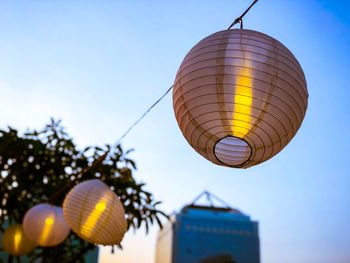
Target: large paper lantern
[[44, 224], [95, 213], [239, 97], [15, 242]]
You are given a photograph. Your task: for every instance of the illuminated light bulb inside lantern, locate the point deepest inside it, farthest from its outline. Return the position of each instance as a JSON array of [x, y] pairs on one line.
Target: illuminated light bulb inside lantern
[[242, 104], [101, 206], [47, 229], [234, 150], [17, 239], [93, 218]]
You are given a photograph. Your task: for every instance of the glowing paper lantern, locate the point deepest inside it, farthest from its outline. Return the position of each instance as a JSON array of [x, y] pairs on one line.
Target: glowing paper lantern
[[44, 224], [239, 97], [15, 242], [94, 213]]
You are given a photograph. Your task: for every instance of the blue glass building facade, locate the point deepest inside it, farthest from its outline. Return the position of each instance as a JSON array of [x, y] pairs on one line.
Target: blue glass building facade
[[207, 234]]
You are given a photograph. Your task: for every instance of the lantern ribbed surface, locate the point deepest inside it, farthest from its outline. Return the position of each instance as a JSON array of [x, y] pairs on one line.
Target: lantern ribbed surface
[[239, 97], [15, 242], [44, 224], [95, 213]]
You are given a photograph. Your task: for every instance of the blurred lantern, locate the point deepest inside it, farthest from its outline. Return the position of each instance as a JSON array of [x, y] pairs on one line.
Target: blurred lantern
[[44, 224], [15, 242], [94, 213], [239, 97]]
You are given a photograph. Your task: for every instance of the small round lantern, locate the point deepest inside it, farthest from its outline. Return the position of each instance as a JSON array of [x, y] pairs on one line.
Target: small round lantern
[[15, 242], [95, 213], [239, 97], [44, 224]]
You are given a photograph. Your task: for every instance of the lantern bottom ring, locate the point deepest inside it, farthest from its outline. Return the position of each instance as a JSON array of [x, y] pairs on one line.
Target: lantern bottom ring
[[232, 151]]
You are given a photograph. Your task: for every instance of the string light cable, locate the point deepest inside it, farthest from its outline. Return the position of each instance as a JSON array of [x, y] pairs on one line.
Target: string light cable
[[144, 115]]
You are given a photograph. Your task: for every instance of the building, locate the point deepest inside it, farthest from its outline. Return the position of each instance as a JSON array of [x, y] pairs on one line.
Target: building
[[208, 234]]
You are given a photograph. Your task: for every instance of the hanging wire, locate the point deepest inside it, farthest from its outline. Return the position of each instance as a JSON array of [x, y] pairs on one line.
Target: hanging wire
[[143, 115], [240, 18], [100, 159]]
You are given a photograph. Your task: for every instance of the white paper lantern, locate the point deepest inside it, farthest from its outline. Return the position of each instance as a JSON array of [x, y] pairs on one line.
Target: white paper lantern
[[95, 213], [44, 224], [15, 242], [239, 97]]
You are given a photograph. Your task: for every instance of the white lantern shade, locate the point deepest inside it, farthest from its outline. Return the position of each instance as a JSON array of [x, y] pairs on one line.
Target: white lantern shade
[[95, 213], [44, 224], [15, 242], [239, 97]]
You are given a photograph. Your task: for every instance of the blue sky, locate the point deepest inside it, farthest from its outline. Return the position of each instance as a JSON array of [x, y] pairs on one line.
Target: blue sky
[[97, 65]]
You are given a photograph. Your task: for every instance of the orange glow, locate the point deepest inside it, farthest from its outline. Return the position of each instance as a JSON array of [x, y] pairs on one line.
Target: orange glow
[[17, 239], [243, 102], [90, 223], [47, 229]]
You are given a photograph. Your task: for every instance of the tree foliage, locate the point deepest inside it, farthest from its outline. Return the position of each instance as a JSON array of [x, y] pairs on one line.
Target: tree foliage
[[38, 166]]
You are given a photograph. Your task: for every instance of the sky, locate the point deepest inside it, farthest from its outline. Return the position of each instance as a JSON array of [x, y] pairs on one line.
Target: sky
[[98, 65]]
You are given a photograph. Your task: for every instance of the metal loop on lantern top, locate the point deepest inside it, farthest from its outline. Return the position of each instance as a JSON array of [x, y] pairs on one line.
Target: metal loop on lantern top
[[240, 18]]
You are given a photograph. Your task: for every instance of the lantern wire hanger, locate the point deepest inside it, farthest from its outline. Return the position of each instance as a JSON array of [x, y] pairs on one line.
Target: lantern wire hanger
[[240, 18]]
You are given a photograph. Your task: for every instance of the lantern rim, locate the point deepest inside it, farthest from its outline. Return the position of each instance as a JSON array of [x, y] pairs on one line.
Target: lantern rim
[[246, 144]]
